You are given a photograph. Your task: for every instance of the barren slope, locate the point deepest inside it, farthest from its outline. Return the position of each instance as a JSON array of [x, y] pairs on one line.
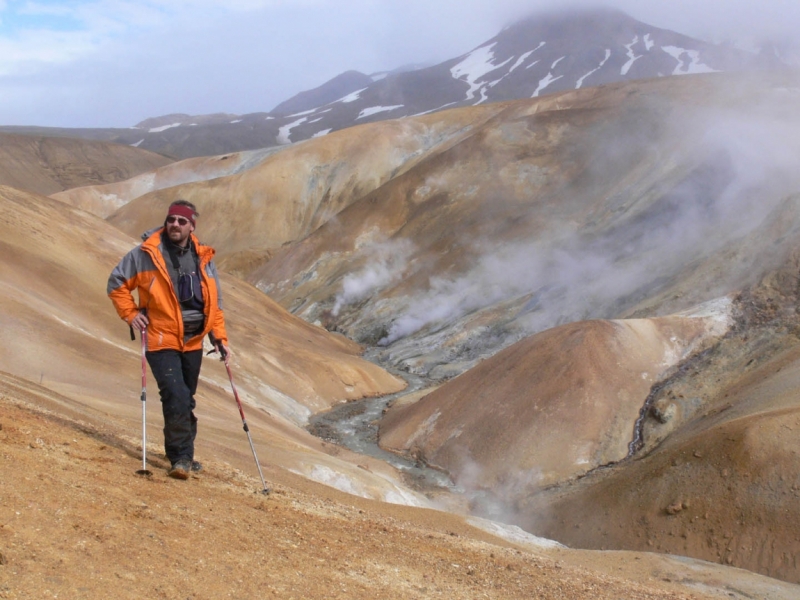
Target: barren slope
[[248, 215], [449, 236], [76, 522], [51, 164], [720, 480], [544, 434], [62, 332], [597, 203], [103, 200], [551, 407]]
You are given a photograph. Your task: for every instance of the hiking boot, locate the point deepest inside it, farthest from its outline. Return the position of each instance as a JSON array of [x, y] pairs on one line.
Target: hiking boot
[[180, 470], [196, 467]]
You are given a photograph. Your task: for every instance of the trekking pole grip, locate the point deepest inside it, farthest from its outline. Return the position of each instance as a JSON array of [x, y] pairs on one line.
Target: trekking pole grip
[[218, 346]]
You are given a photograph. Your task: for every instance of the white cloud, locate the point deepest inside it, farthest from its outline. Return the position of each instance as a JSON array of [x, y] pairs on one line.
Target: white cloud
[[42, 34]]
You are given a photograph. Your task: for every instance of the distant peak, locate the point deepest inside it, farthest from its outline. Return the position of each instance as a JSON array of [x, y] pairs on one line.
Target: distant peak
[[556, 16]]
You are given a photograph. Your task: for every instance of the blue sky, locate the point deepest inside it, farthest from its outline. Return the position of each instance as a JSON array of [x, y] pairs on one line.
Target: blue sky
[[113, 63]]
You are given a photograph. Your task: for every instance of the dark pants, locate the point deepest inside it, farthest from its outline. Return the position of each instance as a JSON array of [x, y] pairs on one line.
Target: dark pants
[[177, 374]]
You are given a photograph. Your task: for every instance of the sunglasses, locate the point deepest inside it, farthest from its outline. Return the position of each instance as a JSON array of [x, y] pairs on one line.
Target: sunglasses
[[181, 220]]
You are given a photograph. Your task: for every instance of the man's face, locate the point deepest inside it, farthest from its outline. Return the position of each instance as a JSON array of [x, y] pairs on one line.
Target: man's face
[[178, 229]]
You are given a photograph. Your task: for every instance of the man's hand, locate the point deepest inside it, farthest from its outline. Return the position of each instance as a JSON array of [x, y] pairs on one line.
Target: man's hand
[[140, 321], [224, 351]]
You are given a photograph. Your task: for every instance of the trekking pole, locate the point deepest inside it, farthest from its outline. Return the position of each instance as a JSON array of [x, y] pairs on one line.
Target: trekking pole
[[144, 471], [224, 355]]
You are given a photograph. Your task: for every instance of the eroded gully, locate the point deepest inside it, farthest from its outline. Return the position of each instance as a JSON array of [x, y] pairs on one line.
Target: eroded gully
[[354, 425]]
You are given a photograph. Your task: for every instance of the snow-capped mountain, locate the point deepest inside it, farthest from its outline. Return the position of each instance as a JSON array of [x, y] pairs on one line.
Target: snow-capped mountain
[[539, 55], [536, 56]]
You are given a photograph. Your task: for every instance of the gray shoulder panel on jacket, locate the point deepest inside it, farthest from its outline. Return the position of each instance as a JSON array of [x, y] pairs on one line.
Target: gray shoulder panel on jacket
[[134, 262]]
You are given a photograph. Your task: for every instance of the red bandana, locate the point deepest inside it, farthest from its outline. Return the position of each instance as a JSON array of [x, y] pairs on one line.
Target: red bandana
[[182, 211]]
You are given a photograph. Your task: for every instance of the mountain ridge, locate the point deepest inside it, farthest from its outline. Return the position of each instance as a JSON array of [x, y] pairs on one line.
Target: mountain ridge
[[545, 53]]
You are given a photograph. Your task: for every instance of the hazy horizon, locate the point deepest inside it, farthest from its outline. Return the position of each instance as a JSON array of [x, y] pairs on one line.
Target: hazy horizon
[[114, 63]]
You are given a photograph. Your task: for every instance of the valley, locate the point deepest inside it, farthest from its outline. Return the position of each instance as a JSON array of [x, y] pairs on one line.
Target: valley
[[522, 345]]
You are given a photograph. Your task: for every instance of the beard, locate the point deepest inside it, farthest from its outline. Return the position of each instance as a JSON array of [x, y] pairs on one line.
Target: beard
[[176, 235]]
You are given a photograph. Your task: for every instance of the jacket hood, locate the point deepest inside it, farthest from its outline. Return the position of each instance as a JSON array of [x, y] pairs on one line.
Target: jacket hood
[[150, 232]]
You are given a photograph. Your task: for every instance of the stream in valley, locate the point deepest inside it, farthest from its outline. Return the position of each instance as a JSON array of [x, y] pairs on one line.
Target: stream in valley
[[354, 425]]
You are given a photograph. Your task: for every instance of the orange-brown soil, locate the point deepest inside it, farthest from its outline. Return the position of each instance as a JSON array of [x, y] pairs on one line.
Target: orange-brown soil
[[77, 522], [47, 165]]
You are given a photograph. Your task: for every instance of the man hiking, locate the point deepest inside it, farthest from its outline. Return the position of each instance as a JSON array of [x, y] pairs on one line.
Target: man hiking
[[179, 302]]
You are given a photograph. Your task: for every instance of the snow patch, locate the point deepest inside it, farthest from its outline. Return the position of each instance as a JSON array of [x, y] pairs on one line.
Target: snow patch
[[555, 64], [162, 128], [92, 335], [113, 200], [352, 97], [136, 145], [632, 58], [367, 112], [300, 114], [541, 44], [600, 66], [433, 110], [426, 429], [285, 132], [236, 121], [475, 65], [521, 60], [484, 91], [322, 133], [648, 42], [695, 66], [402, 498], [288, 407], [543, 83]]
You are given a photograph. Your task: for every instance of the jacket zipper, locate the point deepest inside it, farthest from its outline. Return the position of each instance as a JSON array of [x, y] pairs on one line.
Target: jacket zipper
[[158, 260]]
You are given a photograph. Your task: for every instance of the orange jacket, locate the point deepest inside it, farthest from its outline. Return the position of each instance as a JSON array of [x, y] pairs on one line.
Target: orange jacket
[[144, 269]]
